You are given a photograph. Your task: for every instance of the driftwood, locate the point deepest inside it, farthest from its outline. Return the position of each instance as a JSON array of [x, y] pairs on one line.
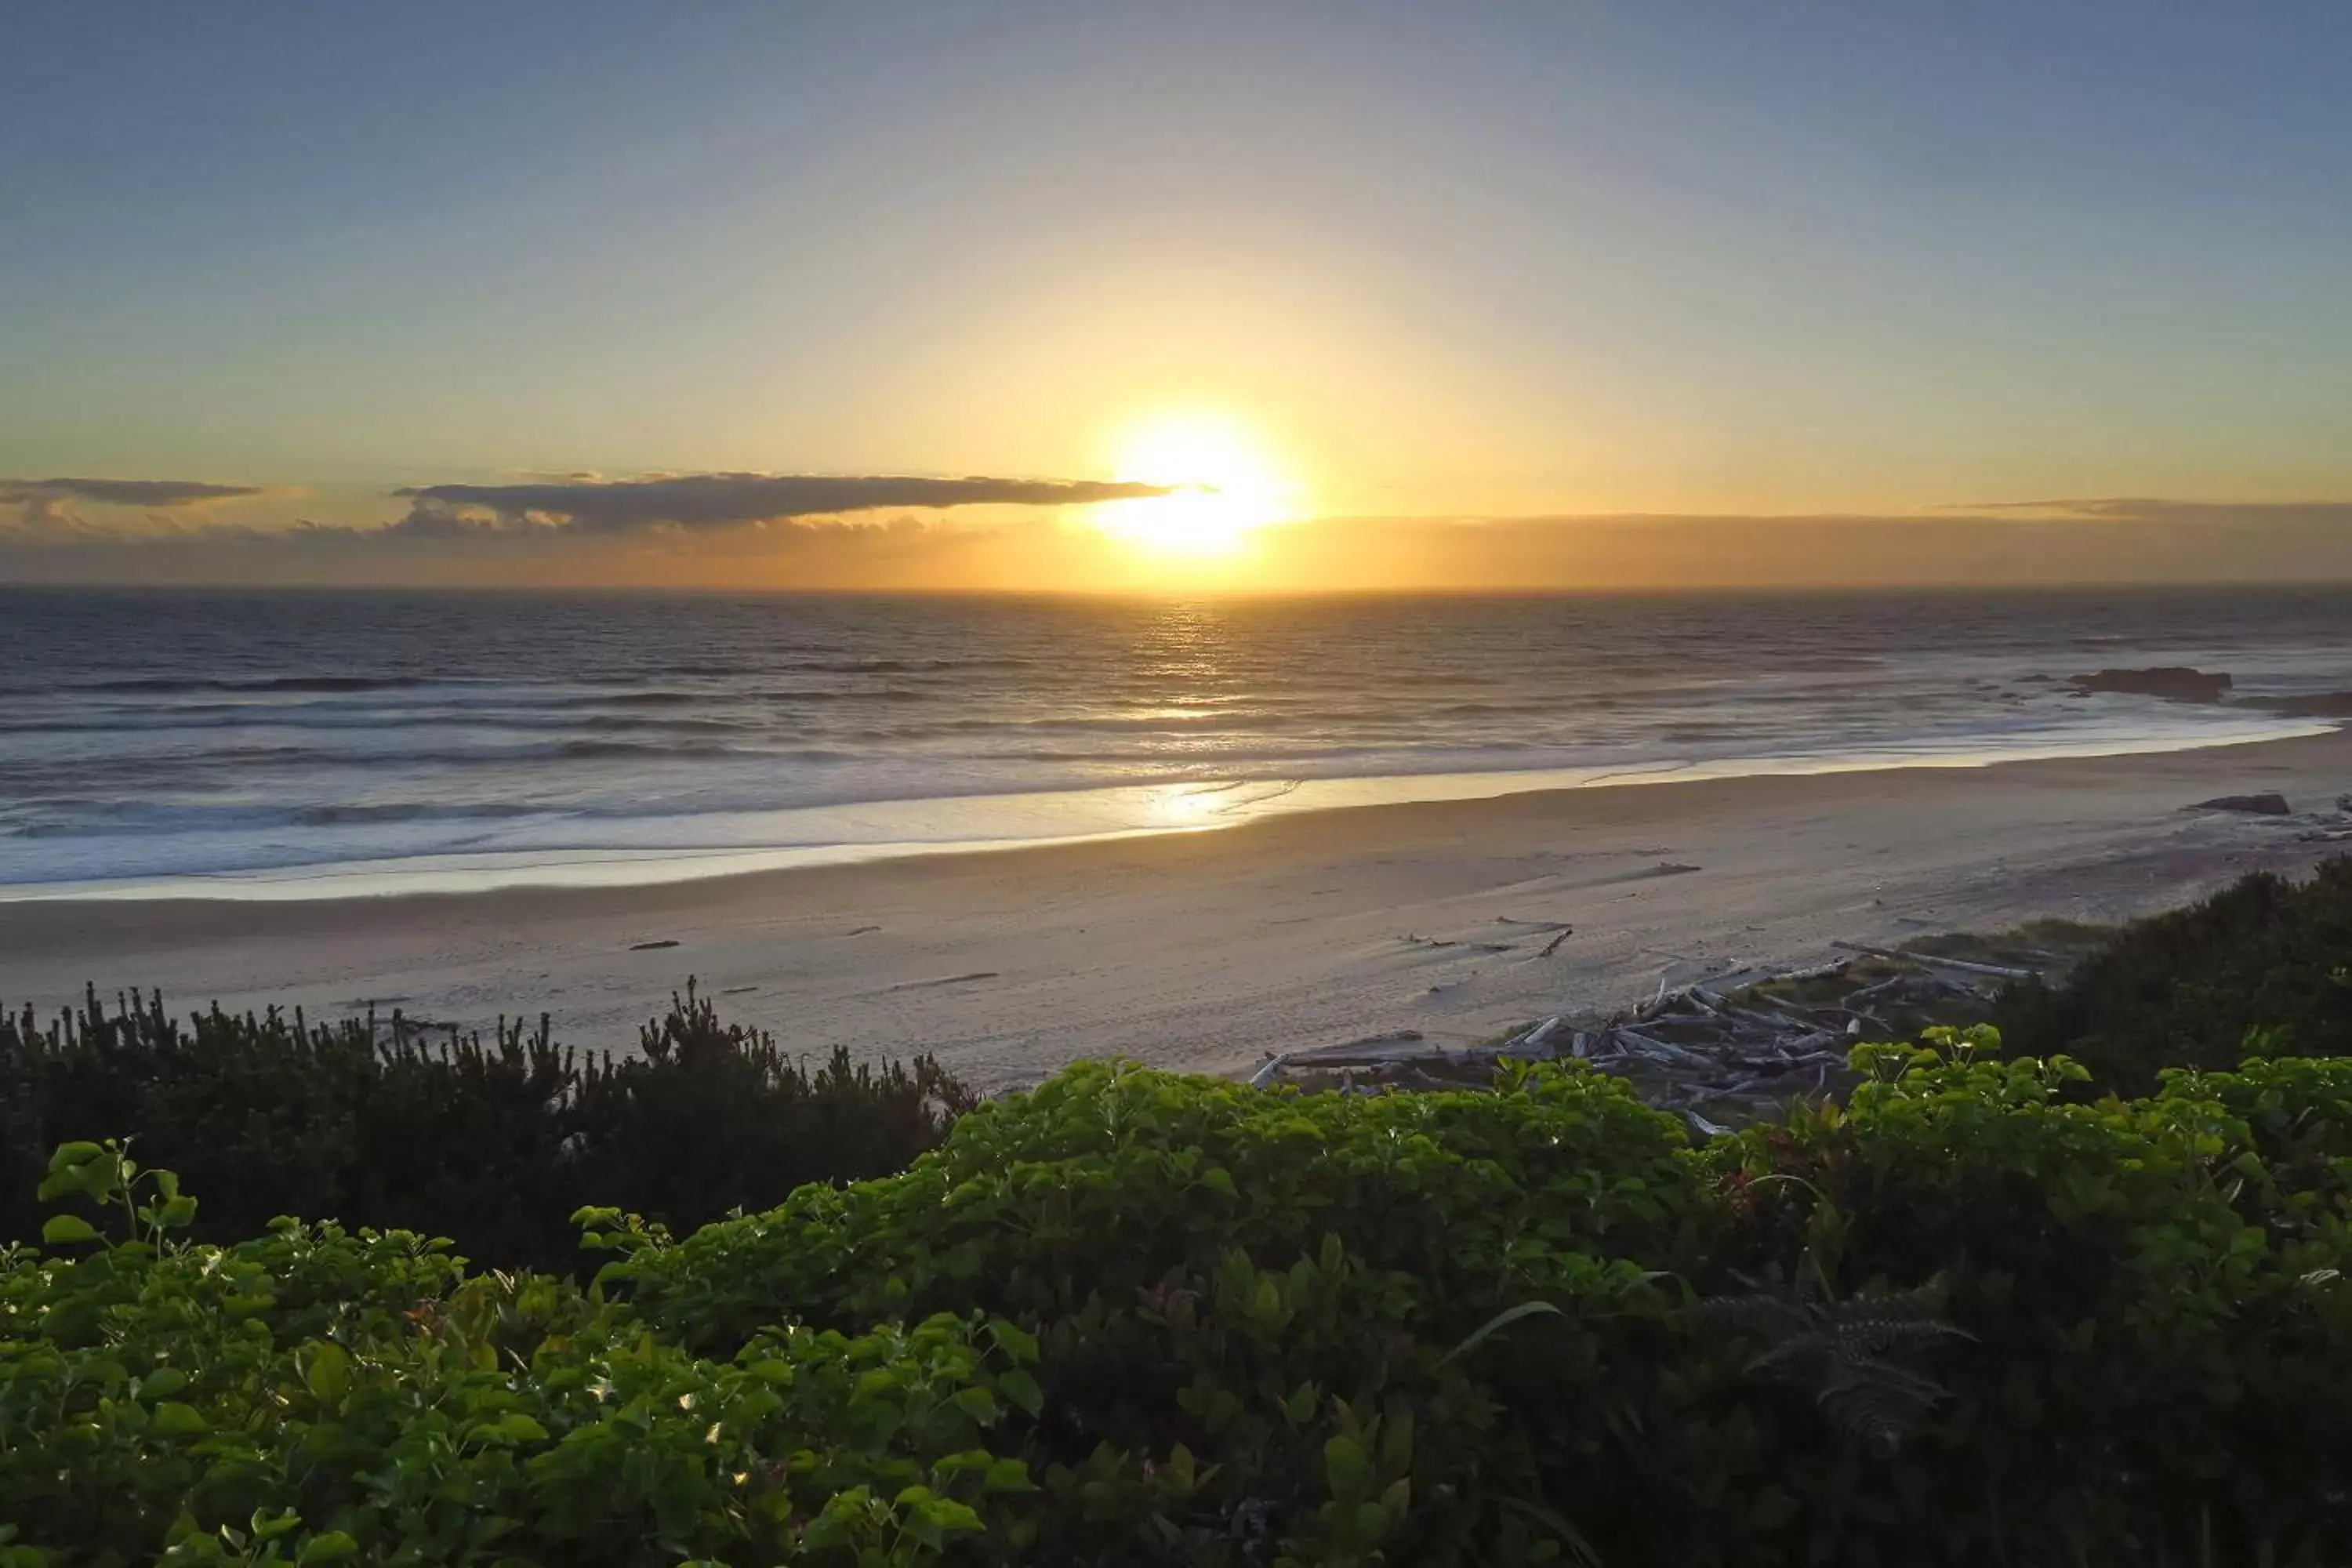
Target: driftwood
[[1892, 982], [1743, 1051], [1533, 1043], [1967, 966], [1271, 1068]]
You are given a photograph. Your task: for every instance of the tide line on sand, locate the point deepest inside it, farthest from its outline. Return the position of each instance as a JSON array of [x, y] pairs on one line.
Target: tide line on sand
[[886, 830]]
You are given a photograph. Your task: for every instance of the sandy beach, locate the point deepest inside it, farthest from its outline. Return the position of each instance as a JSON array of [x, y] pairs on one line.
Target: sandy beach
[[1205, 950]]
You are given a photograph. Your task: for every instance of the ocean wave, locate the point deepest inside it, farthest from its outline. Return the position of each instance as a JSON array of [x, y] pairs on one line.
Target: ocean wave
[[1553, 705], [625, 751], [1186, 728], [409, 811], [1829, 663], [609, 750], [613, 721], [148, 819], [166, 685], [576, 750], [285, 766], [637, 700], [372, 732], [898, 666], [156, 727]]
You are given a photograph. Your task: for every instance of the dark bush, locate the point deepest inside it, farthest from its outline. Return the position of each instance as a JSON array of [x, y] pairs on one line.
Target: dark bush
[[1135, 1319], [2183, 989], [2155, 1289], [493, 1142], [1966, 1321]]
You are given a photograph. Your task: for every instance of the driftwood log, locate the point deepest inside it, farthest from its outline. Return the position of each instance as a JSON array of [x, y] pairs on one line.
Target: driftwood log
[[1718, 1056], [1965, 965]]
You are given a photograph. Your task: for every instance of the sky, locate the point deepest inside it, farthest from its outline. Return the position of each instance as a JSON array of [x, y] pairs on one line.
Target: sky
[[1355, 296]]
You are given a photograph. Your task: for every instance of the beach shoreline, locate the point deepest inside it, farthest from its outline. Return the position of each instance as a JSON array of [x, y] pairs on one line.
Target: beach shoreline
[[1070, 817], [1206, 950]]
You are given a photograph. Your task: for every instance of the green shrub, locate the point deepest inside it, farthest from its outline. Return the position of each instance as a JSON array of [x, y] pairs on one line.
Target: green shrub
[[315, 1394], [2163, 1335], [1111, 1179], [2140, 1293], [491, 1143], [1130, 1318], [1271, 1280], [2184, 989]]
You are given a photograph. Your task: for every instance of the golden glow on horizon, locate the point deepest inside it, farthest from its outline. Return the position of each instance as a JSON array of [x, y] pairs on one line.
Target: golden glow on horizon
[[1227, 487]]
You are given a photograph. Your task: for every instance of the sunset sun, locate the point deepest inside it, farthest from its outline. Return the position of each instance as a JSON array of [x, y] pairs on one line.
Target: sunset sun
[[1223, 486]]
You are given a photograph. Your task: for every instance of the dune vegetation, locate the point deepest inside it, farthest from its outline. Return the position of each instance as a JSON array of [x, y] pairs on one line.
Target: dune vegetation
[[493, 1142], [1983, 1311], [2184, 989]]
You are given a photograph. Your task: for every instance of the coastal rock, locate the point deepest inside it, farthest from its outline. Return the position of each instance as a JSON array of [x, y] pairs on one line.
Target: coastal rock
[[2174, 683], [2267, 804]]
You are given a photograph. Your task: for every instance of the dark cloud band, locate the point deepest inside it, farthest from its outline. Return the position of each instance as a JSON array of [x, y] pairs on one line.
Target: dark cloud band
[[122, 492], [712, 501]]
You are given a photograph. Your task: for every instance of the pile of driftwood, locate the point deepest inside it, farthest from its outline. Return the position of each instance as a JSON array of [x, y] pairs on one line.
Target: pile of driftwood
[[1721, 1055]]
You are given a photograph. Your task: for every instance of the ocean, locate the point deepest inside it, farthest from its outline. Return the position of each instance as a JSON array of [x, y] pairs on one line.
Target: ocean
[[286, 743]]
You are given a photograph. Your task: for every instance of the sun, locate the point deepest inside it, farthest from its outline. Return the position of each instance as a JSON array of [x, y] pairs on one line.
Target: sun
[[1222, 488]]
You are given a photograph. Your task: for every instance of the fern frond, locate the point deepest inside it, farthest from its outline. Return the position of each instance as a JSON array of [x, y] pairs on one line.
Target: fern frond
[[1851, 1354]]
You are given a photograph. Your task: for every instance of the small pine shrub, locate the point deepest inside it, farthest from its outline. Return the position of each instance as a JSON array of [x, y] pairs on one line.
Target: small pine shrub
[[491, 1141], [2186, 988]]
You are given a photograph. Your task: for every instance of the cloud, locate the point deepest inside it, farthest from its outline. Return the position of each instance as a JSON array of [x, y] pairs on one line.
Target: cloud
[[2157, 509], [123, 492], [750, 530], [50, 505], [719, 500]]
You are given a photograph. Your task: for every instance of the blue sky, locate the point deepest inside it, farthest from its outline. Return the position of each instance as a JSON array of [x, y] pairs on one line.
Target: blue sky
[[1477, 258]]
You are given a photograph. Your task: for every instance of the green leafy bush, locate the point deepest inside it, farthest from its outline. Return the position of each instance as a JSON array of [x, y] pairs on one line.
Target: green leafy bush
[[2163, 1334], [1273, 1279], [2183, 989], [315, 1394], [1130, 1318], [492, 1142]]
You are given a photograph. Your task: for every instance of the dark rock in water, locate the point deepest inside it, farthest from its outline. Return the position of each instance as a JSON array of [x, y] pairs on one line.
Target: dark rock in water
[[2317, 705], [2262, 805], [2176, 682]]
